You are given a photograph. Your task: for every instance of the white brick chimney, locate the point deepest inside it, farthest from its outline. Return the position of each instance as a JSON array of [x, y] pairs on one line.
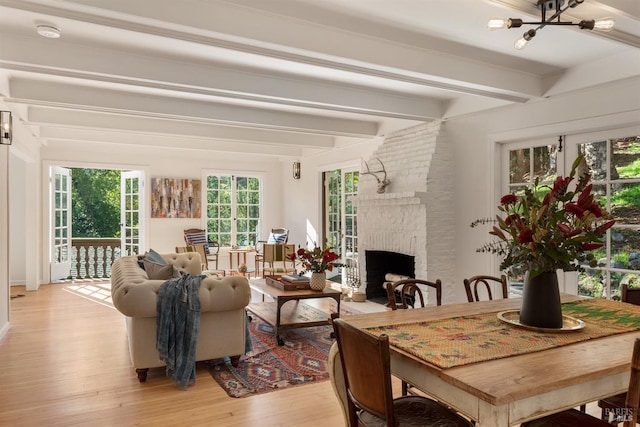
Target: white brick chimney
[[415, 216]]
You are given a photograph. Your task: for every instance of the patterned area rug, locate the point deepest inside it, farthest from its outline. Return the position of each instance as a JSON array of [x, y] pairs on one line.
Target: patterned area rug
[[269, 367]]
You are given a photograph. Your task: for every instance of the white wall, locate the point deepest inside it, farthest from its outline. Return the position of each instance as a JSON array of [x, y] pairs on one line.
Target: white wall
[[17, 172], [475, 140], [303, 197], [4, 240]]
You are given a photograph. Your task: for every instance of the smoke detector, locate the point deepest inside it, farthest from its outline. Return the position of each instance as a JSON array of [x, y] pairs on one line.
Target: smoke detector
[[48, 31]]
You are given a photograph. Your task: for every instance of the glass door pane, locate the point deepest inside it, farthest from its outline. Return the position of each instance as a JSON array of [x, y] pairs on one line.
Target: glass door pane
[[60, 265], [131, 193]]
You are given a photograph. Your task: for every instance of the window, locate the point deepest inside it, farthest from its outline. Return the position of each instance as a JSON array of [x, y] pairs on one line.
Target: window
[[614, 165], [613, 159], [233, 210], [526, 163]]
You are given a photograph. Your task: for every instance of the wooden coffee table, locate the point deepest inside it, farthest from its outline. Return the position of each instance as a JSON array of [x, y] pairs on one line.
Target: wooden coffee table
[[296, 314]]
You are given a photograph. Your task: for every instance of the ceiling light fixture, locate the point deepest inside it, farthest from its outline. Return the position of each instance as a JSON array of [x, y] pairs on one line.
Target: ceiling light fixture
[[604, 24], [48, 31]]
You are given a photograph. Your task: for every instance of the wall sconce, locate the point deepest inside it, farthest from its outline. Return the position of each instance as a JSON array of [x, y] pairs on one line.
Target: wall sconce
[[296, 170], [5, 127]]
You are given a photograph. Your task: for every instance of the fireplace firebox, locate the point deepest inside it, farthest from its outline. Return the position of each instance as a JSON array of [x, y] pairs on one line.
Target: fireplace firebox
[[378, 264]]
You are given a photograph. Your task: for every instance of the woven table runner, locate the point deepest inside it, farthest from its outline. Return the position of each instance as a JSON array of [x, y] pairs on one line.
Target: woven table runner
[[469, 339]]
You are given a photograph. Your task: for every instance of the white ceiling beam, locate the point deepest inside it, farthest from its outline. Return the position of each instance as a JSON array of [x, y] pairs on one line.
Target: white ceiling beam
[[86, 136], [72, 60], [35, 92], [41, 116], [602, 71]]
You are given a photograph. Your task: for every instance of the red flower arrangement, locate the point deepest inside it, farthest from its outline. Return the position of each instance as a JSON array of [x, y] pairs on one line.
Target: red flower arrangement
[[554, 232], [317, 260]]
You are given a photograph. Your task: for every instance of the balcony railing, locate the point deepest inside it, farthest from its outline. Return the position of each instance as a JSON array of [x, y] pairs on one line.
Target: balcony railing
[[91, 258]]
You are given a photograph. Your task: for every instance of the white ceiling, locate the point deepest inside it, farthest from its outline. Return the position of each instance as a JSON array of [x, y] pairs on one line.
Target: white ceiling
[[288, 77]]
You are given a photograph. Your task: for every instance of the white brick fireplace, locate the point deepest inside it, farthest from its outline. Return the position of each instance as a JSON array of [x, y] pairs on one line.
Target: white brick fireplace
[[415, 216]]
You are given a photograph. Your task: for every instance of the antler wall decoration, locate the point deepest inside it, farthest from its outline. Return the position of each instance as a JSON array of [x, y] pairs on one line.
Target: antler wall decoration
[[382, 183]]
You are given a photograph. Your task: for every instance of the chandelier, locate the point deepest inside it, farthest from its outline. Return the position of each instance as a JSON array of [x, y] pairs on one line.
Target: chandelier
[[605, 24]]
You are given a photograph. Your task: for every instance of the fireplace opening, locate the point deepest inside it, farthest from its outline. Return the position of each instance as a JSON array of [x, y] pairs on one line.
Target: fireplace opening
[[378, 264]]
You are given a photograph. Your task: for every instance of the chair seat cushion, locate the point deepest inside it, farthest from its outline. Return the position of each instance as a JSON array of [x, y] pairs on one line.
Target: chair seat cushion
[[569, 418], [417, 411]]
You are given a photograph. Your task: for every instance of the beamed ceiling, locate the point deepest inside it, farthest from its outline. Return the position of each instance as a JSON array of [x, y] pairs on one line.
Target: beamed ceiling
[[288, 77]]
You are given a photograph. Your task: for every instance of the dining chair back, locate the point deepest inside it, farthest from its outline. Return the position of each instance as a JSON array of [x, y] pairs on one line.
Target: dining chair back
[[366, 369], [198, 236], [275, 259], [279, 235], [628, 413], [630, 295], [404, 293], [484, 283]]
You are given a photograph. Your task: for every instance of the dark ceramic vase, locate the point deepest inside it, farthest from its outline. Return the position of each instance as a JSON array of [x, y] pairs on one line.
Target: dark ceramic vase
[[541, 301]]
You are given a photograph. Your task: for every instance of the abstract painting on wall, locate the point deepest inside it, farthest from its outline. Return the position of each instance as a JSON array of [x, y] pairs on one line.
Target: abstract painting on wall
[[175, 198]]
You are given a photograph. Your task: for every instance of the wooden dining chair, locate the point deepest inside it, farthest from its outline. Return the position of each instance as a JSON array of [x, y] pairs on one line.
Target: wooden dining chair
[[614, 404], [472, 284], [630, 295], [628, 413], [366, 369], [404, 293], [400, 292]]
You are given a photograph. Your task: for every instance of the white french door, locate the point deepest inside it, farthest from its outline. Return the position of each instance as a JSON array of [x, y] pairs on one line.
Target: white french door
[[340, 218], [333, 211], [131, 212], [60, 189]]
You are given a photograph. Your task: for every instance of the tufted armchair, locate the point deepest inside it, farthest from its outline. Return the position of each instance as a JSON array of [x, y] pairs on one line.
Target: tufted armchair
[[222, 317]]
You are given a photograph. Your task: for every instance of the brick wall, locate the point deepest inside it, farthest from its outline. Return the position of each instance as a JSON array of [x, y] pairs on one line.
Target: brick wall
[[415, 216]]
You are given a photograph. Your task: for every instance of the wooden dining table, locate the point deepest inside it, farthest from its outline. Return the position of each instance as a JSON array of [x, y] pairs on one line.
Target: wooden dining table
[[509, 390]]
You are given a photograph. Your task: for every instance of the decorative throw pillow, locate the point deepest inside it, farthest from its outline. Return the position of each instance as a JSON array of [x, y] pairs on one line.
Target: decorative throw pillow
[[275, 239], [157, 271], [156, 257]]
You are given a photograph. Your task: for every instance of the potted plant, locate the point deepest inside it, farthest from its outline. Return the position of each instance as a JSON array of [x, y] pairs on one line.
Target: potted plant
[[317, 261], [544, 229]]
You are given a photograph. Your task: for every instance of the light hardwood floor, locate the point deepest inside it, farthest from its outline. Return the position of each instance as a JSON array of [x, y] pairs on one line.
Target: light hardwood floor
[[65, 362]]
